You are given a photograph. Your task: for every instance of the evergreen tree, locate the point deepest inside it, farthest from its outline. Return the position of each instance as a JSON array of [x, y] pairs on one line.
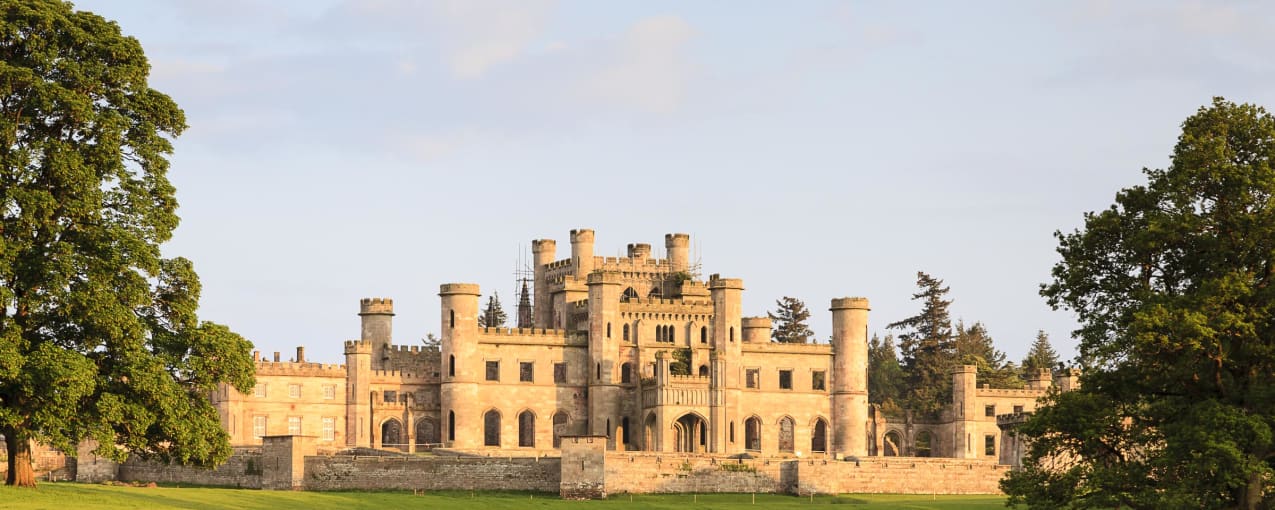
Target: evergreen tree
[[885, 376], [493, 316], [974, 346], [1041, 355], [99, 335], [789, 322], [926, 349], [681, 362]]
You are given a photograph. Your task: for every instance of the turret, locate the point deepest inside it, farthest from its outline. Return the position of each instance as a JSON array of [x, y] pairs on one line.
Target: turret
[[458, 391], [377, 316], [1039, 379], [358, 382], [965, 405], [1067, 379], [756, 329], [726, 295], [543, 252], [604, 337], [639, 252], [678, 248], [850, 376], [582, 251]]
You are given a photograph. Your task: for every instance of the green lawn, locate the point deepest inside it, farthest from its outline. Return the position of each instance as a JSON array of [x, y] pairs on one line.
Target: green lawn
[[71, 495]]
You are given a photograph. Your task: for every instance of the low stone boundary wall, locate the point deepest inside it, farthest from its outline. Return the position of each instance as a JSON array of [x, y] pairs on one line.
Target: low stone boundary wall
[[670, 472], [900, 475], [432, 473], [243, 469]]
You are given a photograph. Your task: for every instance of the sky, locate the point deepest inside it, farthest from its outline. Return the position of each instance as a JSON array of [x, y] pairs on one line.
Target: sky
[[347, 149]]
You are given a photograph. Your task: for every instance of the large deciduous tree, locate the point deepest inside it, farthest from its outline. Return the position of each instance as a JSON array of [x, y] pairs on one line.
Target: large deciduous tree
[[926, 347], [790, 318], [99, 337], [1174, 287]]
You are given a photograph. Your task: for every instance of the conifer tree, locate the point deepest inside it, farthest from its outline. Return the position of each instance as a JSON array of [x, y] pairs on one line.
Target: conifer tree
[[1041, 355], [926, 349], [974, 346], [493, 315], [885, 376], [789, 322]]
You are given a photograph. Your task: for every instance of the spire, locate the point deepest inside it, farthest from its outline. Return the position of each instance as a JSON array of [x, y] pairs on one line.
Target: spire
[[524, 307]]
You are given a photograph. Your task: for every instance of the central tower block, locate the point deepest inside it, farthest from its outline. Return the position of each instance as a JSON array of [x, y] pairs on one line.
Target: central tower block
[[850, 376], [582, 251]]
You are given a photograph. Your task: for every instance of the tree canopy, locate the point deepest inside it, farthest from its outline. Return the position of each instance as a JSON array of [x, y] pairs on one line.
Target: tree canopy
[[1173, 288], [974, 346], [789, 324], [1041, 355], [493, 315], [926, 347], [885, 376], [99, 336]]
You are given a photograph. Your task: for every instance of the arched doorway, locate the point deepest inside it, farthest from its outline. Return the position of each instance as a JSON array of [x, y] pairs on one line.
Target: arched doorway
[[819, 436], [560, 420], [924, 444], [426, 433], [890, 444], [491, 428], [787, 433], [648, 434], [688, 433], [526, 429], [392, 434], [752, 434]]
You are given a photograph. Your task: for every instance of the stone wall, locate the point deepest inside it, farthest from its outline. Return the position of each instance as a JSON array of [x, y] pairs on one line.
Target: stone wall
[[654, 473], [899, 475], [243, 469], [344, 472]]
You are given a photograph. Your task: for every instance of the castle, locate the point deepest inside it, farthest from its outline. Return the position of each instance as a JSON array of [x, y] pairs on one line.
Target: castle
[[594, 355]]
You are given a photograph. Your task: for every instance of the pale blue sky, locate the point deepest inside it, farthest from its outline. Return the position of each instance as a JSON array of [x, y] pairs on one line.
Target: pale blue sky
[[341, 150]]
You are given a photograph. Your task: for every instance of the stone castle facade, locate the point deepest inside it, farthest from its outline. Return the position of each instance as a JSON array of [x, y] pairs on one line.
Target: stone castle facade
[[595, 355]]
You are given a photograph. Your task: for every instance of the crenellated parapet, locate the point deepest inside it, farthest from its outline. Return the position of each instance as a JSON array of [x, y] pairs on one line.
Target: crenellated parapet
[[358, 347], [378, 306], [403, 377], [290, 368], [717, 282], [448, 289]]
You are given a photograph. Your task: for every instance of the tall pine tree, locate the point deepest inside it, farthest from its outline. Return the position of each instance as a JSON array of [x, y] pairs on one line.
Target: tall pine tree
[[974, 346], [926, 347], [885, 376], [789, 322], [1041, 355], [493, 316]]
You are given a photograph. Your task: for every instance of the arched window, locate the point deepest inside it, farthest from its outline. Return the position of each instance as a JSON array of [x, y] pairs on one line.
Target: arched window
[[703, 334], [626, 376], [655, 292], [732, 432], [629, 294], [626, 332], [703, 370], [491, 428], [786, 433], [608, 330], [819, 436], [451, 425], [559, 428], [732, 333], [451, 365], [451, 314], [426, 433], [752, 434], [526, 429], [391, 434], [624, 430], [599, 371], [671, 335]]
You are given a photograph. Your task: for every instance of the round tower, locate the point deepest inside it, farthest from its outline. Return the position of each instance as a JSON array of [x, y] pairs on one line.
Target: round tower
[[850, 376], [678, 248], [377, 316], [582, 251], [756, 329], [543, 252], [460, 371]]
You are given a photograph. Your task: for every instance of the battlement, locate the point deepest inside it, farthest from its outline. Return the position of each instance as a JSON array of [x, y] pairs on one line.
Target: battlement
[[400, 376], [717, 282], [787, 348], [964, 369], [639, 251], [850, 303], [1010, 419], [376, 306], [358, 347], [662, 305], [448, 289], [543, 245], [678, 239], [542, 332], [581, 235], [985, 391], [604, 278], [755, 322], [266, 367], [414, 349], [533, 336]]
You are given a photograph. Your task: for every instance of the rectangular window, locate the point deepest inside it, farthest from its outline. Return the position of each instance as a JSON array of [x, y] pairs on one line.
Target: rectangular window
[[752, 378], [294, 391], [390, 396], [493, 370], [989, 411], [258, 426], [329, 392], [1018, 409], [526, 371], [329, 428], [817, 381], [989, 445], [785, 379], [559, 373], [259, 390], [294, 425]]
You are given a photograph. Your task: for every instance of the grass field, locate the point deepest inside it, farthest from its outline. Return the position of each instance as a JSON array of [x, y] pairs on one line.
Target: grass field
[[71, 495]]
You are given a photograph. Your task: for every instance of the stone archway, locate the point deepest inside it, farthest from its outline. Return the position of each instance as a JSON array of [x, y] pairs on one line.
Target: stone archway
[[890, 444], [752, 434], [526, 429], [688, 433], [560, 420], [648, 434], [787, 435], [392, 434], [426, 433], [819, 436]]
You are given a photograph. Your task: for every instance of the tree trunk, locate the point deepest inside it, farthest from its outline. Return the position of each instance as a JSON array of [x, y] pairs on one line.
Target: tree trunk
[[1251, 493], [21, 473]]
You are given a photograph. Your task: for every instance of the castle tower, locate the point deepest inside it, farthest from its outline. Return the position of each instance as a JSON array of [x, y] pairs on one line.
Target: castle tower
[[850, 376], [543, 252], [678, 248], [604, 332], [377, 316], [639, 252], [358, 387], [459, 406], [723, 400], [964, 386], [756, 330], [582, 251]]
